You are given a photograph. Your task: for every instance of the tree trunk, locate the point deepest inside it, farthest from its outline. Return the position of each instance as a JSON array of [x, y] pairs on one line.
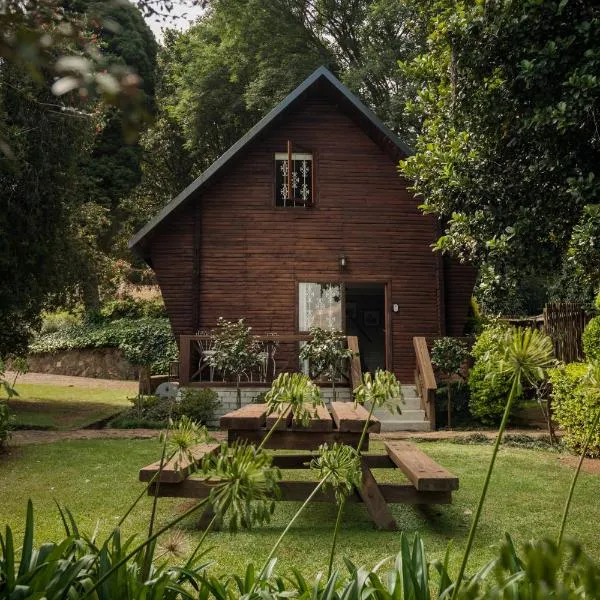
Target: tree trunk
[[91, 293], [145, 384]]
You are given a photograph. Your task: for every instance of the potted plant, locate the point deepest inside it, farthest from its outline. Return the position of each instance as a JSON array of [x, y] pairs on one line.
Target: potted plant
[[235, 352], [326, 354]]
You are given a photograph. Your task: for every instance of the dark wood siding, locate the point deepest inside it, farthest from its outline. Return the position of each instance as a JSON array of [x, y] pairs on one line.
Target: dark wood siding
[[459, 283], [252, 254]]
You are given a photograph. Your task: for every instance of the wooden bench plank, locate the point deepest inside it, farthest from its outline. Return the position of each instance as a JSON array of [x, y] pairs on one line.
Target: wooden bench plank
[[177, 469], [298, 439], [298, 491], [251, 416], [349, 417], [286, 420], [424, 473], [320, 419]]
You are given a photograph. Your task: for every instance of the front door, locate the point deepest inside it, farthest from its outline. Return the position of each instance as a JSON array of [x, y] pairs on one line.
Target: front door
[[365, 312]]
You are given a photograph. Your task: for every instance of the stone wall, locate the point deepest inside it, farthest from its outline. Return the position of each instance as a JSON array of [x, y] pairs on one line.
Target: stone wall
[[228, 398], [103, 363]]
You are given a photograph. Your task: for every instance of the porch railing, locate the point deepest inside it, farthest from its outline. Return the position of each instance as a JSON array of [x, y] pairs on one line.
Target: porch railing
[[278, 354]]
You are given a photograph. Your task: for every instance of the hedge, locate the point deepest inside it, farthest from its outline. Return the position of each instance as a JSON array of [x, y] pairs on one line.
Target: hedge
[[143, 341], [574, 407]]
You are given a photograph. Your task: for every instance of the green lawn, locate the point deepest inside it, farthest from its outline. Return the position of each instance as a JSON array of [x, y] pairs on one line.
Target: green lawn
[[97, 479], [64, 407]]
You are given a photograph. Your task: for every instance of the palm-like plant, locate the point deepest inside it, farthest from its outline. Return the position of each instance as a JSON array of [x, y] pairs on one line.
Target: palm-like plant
[[244, 484], [524, 356], [294, 391]]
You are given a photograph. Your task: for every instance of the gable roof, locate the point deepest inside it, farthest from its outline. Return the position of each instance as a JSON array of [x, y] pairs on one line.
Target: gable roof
[[321, 80]]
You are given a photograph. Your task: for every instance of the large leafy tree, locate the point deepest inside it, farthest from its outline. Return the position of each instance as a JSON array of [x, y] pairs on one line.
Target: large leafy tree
[[44, 137], [509, 150], [112, 169], [219, 77]]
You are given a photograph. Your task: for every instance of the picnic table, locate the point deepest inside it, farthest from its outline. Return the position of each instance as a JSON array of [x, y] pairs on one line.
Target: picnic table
[[429, 482]]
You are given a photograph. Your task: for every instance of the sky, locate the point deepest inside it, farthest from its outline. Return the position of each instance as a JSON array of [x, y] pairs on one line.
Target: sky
[[182, 15]]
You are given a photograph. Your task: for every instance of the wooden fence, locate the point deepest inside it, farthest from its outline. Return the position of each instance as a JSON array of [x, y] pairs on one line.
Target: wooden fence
[[564, 322]]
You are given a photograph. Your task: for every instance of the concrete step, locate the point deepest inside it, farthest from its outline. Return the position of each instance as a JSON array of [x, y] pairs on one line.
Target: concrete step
[[396, 425], [406, 415]]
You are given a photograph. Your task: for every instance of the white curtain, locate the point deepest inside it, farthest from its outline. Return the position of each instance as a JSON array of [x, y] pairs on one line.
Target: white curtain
[[320, 305]]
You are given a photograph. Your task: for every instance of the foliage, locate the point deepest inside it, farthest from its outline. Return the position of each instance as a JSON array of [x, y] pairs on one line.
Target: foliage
[[294, 390], [71, 566], [199, 404], [591, 339], [235, 351], [143, 341], [508, 152], [243, 56], [132, 308], [378, 390], [461, 415], [326, 353], [339, 465], [487, 395], [448, 355], [522, 355], [153, 412], [573, 407], [38, 197], [246, 486], [182, 436], [55, 321]]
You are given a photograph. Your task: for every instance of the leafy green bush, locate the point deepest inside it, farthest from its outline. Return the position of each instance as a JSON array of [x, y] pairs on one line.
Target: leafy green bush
[[199, 404], [58, 320], [152, 412], [574, 407], [133, 308], [591, 339], [488, 395], [142, 341]]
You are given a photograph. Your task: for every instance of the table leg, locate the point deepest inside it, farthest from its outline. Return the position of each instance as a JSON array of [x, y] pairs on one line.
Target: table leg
[[376, 505]]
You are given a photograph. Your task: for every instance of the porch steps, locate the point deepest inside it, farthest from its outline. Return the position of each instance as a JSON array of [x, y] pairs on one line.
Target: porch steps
[[412, 417]]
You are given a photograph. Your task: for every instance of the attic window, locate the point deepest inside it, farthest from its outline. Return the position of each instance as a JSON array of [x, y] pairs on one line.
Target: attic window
[[296, 190]]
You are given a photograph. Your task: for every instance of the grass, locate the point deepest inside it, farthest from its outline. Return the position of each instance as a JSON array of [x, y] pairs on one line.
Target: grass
[[97, 479], [41, 406]]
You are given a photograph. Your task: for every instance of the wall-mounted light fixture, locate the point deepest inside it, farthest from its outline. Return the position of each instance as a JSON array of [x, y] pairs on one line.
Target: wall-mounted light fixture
[[343, 261]]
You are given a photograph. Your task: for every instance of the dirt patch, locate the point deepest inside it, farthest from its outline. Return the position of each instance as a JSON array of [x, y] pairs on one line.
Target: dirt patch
[[452, 435], [590, 465]]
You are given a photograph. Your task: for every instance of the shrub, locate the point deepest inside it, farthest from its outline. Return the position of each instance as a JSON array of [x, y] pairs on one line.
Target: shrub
[[56, 321], [591, 339], [574, 407], [461, 415], [133, 308], [488, 395], [198, 404], [142, 341]]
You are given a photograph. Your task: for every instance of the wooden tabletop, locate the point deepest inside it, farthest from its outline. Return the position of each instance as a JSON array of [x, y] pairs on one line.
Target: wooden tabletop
[[341, 417]]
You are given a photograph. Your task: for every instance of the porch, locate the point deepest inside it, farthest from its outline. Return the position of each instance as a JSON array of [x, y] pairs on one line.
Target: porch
[[280, 354]]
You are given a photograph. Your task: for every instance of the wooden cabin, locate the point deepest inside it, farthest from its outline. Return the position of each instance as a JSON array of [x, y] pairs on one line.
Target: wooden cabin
[[307, 221]]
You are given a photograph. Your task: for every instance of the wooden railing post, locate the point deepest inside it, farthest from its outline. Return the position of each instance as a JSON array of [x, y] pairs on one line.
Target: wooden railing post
[[425, 379], [184, 359], [355, 372]]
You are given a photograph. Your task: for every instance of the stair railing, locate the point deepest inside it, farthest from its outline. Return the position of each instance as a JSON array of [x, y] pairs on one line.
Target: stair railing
[[425, 379]]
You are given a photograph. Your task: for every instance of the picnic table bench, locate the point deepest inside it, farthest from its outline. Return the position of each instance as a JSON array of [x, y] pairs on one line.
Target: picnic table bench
[[429, 482]]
